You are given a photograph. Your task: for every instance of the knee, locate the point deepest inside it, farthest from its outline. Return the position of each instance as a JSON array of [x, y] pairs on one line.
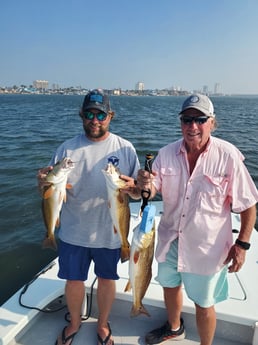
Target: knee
[[74, 284], [102, 282], [204, 311]]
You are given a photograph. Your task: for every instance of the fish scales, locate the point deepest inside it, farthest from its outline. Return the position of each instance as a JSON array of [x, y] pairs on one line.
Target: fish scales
[[53, 197], [140, 268], [118, 203]]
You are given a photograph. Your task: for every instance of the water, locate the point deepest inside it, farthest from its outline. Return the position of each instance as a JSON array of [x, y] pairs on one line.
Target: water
[[32, 126]]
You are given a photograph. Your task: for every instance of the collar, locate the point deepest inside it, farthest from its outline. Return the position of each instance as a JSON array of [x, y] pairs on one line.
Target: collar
[[182, 148]]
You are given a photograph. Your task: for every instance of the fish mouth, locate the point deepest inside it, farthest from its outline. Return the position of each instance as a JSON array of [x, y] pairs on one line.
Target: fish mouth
[[68, 163], [110, 169]]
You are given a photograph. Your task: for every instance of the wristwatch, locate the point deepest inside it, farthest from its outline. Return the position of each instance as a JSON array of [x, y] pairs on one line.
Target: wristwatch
[[243, 245]]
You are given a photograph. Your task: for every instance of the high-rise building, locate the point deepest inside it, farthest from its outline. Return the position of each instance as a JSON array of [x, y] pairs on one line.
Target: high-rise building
[[217, 89], [40, 84], [139, 86], [205, 90]]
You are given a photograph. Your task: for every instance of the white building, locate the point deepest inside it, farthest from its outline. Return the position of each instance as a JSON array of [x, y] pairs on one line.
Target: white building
[[217, 88], [40, 84], [139, 86]]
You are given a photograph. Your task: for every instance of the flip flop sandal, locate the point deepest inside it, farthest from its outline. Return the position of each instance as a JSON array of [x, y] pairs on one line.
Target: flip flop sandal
[[105, 341], [66, 339]]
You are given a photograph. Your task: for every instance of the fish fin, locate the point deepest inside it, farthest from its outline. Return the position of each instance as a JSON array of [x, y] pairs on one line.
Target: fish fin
[[48, 193], [138, 311], [69, 186], [128, 286], [122, 198], [58, 222], [49, 242], [136, 256], [62, 197], [125, 253]]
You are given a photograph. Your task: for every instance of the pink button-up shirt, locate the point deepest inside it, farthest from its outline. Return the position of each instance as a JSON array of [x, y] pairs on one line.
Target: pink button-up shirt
[[197, 208]]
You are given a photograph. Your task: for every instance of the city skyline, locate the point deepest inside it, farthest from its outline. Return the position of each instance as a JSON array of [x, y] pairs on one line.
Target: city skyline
[[139, 85], [182, 44], [43, 85]]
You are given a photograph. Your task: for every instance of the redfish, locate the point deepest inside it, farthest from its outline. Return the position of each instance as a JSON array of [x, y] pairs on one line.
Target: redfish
[[53, 197], [118, 203], [140, 264]]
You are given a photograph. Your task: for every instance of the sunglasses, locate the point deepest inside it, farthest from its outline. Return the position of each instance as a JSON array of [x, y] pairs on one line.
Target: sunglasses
[[90, 116], [199, 120]]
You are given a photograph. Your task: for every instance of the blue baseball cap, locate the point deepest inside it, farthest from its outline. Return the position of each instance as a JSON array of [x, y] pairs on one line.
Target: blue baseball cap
[[96, 99]]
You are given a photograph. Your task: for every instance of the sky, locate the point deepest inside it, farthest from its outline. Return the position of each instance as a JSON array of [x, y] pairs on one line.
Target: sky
[[117, 43]]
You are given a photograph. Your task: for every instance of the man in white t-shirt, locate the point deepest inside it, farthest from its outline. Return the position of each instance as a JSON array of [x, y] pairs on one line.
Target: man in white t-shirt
[[86, 233]]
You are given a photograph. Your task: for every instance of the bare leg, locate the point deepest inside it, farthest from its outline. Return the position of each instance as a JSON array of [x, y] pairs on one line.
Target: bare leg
[[105, 297], [206, 324], [174, 302], [74, 292]]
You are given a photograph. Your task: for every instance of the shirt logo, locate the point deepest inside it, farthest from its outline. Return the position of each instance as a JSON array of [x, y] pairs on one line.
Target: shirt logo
[[114, 160]]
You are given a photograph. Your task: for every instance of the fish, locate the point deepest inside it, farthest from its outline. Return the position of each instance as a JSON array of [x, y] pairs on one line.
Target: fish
[[118, 204], [53, 197], [140, 267]]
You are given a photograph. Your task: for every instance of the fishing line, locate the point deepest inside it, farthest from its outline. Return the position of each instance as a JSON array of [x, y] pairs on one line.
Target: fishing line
[[46, 310], [26, 286]]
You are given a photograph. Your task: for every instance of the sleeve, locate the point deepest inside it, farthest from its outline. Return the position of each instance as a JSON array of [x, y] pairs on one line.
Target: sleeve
[[244, 193]]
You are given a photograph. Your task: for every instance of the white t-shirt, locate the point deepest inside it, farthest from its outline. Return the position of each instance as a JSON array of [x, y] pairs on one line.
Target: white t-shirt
[[85, 217]]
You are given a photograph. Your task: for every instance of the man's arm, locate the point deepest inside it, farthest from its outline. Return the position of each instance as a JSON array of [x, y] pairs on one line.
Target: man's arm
[[237, 252]]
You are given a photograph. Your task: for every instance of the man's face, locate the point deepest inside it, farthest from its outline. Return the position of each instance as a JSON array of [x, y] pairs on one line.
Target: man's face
[[196, 128], [95, 124]]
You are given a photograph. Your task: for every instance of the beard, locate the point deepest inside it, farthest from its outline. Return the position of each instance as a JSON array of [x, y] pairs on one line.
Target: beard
[[95, 133]]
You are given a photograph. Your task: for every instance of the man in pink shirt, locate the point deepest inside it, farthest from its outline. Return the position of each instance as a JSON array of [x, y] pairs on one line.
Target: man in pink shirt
[[201, 179]]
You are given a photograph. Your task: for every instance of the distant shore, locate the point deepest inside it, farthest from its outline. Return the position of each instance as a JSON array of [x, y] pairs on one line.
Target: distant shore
[[112, 92], [75, 91]]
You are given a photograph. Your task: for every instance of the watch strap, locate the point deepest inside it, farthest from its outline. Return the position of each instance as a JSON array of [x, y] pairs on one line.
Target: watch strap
[[244, 245]]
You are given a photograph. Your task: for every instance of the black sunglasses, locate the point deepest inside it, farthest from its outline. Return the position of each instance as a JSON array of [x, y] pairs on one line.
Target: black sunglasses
[[188, 120], [90, 116]]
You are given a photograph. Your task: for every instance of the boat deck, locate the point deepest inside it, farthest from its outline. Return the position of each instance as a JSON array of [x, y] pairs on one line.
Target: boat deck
[[125, 330], [237, 318]]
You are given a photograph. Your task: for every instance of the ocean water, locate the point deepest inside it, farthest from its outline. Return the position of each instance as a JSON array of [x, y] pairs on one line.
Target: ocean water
[[32, 126]]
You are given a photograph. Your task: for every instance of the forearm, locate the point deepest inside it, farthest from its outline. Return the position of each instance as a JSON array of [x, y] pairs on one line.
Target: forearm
[[248, 218]]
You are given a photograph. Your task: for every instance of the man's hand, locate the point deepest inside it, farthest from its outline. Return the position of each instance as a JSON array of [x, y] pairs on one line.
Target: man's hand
[[131, 187], [41, 177], [236, 257]]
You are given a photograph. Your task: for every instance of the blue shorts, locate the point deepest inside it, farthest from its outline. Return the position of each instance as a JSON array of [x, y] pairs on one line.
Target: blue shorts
[[74, 262], [204, 290]]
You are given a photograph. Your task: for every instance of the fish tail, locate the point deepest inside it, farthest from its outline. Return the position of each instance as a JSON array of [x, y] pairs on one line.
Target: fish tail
[[128, 286], [138, 311], [125, 253], [49, 242]]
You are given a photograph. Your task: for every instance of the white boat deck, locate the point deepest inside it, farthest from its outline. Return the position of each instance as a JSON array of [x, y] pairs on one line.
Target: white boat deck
[[237, 318]]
